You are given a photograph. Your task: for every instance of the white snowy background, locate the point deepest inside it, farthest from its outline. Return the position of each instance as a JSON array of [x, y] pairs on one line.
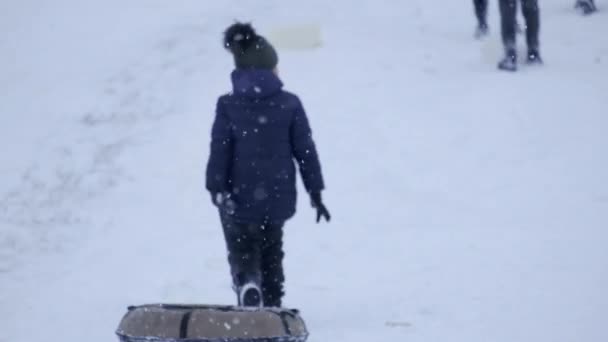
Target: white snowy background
[[469, 205]]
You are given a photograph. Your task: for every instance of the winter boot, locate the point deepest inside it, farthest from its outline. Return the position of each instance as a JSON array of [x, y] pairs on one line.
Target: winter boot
[[533, 57], [481, 31], [250, 295], [509, 63], [586, 7]]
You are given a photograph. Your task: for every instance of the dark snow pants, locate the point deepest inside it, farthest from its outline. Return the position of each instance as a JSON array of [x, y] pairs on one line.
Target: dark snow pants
[[508, 13], [255, 254]]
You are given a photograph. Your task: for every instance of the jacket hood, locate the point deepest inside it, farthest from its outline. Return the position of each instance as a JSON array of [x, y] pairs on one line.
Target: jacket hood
[[255, 83]]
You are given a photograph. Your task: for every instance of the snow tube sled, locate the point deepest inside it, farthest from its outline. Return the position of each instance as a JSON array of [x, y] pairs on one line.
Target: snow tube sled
[[209, 323]]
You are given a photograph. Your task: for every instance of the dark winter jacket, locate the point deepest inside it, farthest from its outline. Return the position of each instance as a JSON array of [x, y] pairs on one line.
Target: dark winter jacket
[[259, 130]]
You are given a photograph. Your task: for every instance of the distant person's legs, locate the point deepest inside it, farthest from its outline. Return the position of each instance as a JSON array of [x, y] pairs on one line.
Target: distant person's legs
[[481, 12], [508, 11], [531, 15]]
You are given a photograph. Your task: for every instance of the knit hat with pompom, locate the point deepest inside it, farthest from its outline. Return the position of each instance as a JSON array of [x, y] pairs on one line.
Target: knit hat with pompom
[[250, 50]]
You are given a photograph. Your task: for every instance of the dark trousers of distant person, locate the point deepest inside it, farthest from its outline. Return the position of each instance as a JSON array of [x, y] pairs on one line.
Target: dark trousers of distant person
[[508, 19], [508, 15], [481, 12]]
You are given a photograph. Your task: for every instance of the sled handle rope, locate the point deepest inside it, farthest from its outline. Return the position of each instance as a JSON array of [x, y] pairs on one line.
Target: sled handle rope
[[183, 327]]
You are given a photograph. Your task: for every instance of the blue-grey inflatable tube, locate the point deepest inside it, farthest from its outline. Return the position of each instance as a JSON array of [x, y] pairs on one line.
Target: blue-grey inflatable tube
[[210, 323]]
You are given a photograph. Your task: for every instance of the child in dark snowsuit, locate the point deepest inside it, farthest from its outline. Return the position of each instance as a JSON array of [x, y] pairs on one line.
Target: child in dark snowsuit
[[259, 130]]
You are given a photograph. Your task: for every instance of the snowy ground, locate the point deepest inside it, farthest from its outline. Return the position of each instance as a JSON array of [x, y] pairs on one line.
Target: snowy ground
[[469, 205]]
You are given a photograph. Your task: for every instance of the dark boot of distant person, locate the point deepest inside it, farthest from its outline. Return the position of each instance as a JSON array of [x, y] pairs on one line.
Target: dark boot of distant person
[[585, 7]]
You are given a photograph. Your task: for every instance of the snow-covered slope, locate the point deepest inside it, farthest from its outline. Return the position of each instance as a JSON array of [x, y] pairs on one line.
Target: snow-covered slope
[[468, 204]]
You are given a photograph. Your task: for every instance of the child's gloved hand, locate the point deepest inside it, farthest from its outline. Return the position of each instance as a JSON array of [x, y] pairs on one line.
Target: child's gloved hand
[[216, 198], [317, 203], [224, 201]]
